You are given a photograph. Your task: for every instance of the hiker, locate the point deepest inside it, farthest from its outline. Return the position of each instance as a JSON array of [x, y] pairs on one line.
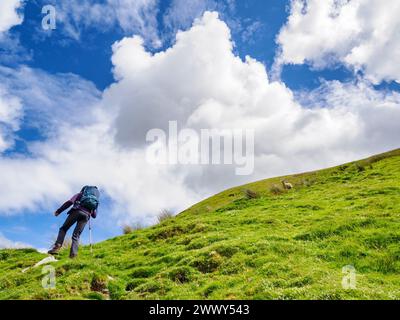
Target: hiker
[[85, 205]]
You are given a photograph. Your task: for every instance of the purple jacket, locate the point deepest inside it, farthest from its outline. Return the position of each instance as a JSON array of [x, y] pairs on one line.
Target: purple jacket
[[76, 206]]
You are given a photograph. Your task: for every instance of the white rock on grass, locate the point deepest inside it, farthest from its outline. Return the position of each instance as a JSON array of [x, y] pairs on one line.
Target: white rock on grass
[[41, 262]]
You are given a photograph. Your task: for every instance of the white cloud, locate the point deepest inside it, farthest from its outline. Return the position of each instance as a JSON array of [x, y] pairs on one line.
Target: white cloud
[[8, 244], [48, 100], [362, 34], [200, 83], [9, 15], [251, 30], [370, 116], [132, 16], [10, 116]]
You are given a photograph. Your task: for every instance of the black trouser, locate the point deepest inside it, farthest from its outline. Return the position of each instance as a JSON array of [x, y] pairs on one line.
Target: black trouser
[[81, 219]]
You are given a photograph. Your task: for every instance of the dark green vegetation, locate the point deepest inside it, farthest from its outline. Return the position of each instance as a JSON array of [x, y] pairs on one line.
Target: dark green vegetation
[[252, 242]]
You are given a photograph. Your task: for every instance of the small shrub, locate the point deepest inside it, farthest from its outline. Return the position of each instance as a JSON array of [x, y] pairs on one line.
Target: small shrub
[[275, 189], [250, 194], [360, 167], [128, 229], [4, 255], [165, 214], [98, 283]]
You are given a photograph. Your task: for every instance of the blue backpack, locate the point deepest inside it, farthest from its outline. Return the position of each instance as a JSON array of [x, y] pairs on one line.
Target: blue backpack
[[89, 198]]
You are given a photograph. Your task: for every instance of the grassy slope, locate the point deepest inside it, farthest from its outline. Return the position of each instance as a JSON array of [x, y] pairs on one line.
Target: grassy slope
[[286, 246]]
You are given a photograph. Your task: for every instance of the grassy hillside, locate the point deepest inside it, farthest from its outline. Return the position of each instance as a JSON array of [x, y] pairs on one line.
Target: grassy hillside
[[251, 242]]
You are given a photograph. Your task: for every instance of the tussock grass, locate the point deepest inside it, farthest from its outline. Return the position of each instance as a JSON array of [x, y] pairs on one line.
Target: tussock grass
[[250, 194], [165, 214], [276, 190], [128, 229]]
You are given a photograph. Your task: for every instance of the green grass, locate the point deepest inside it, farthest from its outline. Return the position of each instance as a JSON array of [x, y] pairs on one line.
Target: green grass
[[245, 245]]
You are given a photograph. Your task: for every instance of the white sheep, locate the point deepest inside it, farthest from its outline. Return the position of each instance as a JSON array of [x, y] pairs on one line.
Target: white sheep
[[286, 185]]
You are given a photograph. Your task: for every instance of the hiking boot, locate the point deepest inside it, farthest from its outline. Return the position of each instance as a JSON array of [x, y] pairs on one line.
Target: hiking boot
[[55, 249], [73, 256]]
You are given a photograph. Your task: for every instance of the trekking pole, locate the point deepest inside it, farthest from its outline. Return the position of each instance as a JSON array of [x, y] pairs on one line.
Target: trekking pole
[[90, 237]]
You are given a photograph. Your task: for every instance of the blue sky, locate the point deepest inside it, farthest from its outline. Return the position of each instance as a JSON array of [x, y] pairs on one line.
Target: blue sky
[[58, 75]]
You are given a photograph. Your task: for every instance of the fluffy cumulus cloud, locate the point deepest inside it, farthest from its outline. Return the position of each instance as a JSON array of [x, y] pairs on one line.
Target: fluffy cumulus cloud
[[202, 84], [9, 244], [9, 14], [213, 88], [363, 34]]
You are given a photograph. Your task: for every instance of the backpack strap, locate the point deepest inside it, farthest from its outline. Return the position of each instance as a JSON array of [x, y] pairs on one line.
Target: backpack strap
[[78, 200]]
